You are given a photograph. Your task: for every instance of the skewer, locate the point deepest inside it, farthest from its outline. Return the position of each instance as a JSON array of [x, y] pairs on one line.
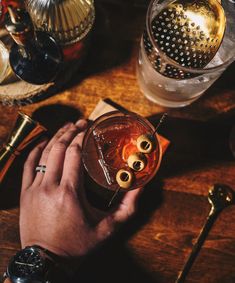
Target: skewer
[[156, 129], [160, 122], [113, 197]]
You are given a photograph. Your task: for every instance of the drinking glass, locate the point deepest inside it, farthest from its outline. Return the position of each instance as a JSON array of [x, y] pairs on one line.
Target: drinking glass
[[179, 92], [108, 144]]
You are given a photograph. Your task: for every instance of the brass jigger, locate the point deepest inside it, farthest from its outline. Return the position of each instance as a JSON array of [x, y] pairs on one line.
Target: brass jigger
[[219, 197], [24, 132]]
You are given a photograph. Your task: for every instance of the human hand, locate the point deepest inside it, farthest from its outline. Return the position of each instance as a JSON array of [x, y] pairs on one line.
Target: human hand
[[53, 207]]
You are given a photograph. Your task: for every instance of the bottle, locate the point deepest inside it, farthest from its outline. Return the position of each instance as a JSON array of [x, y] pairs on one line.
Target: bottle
[[68, 21], [35, 57]]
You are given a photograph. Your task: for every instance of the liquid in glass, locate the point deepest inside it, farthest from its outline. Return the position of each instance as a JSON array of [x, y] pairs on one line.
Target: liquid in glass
[[110, 145]]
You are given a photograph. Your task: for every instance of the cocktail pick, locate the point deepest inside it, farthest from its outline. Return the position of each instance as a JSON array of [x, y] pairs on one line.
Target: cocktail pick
[[124, 179], [146, 143], [220, 196], [114, 196], [164, 116], [24, 132]]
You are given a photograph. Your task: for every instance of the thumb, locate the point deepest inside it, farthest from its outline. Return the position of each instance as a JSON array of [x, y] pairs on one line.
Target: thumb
[[125, 210]]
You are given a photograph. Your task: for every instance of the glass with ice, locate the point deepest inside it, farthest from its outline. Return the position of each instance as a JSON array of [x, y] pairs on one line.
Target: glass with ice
[[121, 151], [166, 74]]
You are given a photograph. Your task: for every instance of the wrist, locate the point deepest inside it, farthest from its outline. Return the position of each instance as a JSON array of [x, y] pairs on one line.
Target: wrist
[[38, 264], [62, 259], [31, 264], [56, 251]]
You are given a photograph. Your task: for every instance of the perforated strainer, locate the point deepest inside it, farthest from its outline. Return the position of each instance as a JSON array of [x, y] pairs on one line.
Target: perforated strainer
[[186, 34]]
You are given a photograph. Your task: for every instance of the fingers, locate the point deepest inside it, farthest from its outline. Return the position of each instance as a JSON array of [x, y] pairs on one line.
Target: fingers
[[72, 171], [58, 144], [55, 161], [31, 163], [125, 210], [46, 151], [56, 157], [127, 206], [82, 124]]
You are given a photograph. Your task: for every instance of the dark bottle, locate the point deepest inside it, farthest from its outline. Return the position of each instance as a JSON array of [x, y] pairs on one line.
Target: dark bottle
[[35, 57]]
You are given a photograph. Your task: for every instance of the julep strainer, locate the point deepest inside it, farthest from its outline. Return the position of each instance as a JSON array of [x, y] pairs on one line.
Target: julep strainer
[[187, 33]]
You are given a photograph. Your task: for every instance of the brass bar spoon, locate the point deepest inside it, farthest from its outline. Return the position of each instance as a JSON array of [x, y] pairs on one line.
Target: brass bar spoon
[[220, 196]]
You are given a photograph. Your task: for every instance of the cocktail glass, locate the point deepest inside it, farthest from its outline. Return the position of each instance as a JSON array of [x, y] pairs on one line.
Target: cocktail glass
[[110, 147]]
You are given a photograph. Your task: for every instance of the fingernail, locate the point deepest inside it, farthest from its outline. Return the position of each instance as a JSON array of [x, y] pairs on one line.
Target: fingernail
[[82, 124], [67, 125]]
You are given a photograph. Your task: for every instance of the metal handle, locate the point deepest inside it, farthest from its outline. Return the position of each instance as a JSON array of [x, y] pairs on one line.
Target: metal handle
[[197, 246]]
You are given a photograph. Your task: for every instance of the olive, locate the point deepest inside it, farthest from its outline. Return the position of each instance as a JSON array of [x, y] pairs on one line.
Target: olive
[[145, 143], [137, 161], [124, 178]]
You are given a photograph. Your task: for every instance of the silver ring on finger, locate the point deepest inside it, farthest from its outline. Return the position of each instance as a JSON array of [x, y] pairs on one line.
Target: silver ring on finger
[[41, 168]]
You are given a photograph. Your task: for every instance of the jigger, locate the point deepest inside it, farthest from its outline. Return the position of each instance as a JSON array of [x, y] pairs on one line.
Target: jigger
[[25, 131]]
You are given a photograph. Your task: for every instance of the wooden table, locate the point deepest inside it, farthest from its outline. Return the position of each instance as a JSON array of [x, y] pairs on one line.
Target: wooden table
[[154, 245]]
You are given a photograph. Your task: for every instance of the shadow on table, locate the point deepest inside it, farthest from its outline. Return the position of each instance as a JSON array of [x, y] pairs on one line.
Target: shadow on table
[[195, 144], [11, 185], [114, 262], [54, 116]]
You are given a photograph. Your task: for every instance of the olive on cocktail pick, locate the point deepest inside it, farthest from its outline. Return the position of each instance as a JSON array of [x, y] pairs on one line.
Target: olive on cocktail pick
[[137, 161], [145, 143], [124, 178]]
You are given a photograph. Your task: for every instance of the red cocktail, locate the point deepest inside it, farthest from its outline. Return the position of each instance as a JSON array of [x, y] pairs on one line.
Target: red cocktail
[[121, 151]]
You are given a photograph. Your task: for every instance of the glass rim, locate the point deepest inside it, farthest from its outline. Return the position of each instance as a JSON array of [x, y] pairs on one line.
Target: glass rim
[[173, 62], [108, 115]]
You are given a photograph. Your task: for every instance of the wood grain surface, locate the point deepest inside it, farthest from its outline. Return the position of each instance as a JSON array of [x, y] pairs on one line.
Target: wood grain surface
[[154, 245]]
